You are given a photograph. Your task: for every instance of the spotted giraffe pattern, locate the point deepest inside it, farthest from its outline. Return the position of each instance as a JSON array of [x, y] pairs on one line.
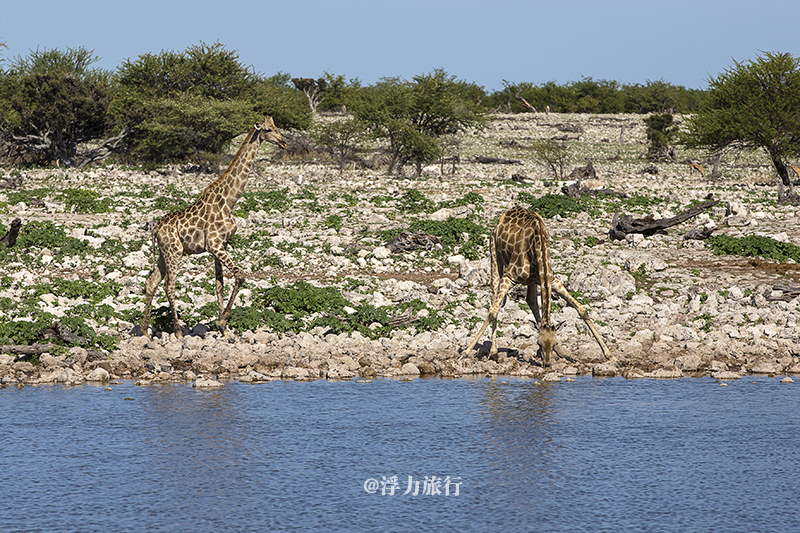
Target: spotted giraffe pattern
[[206, 226], [520, 253]]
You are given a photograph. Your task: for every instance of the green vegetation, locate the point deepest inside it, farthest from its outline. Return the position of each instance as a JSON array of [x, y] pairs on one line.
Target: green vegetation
[[550, 205], [661, 131], [553, 155], [598, 96], [456, 235], [753, 105], [414, 116], [85, 201], [754, 246], [304, 307], [54, 101]]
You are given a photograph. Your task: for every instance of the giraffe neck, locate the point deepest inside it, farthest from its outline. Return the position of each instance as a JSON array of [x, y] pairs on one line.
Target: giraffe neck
[[226, 190]]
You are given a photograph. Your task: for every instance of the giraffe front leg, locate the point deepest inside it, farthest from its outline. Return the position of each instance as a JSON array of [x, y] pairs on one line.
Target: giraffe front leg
[[503, 287], [219, 284], [559, 289], [153, 281]]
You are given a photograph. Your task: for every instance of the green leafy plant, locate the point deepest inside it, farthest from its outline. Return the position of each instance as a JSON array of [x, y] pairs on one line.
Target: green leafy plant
[[552, 155], [85, 201], [551, 205], [754, 246], [413, 201]]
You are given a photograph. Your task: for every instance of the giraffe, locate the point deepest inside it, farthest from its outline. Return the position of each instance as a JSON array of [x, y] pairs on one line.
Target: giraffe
[[206, 226], [520, 253], [698, 167]]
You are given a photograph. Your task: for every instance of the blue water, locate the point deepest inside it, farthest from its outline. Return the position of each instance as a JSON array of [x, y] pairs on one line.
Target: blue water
[[591, 455]]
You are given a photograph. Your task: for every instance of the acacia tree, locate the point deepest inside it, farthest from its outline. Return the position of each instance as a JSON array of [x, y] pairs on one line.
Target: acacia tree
[[50, 102], [414, 115], [756, 105], [660, 131], [187, 106]]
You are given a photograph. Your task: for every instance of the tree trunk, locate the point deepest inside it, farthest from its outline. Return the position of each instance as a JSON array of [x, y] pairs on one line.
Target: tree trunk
[[783, 171]]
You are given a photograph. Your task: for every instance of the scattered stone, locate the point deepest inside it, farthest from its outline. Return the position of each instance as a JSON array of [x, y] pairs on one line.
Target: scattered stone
[[726, 374], [206, 383], [787, 379], [604, 370], [426, 368], [665, 373], [409, 369], [98, 374]]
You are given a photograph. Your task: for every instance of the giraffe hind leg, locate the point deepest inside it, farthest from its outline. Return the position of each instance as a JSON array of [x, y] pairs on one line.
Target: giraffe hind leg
[[222, 259], [153, 281]]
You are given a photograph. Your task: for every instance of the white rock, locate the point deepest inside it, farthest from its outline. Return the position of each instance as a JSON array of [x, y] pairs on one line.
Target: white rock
[[207, 383], [409, 369], [381, 252], [98, 374]]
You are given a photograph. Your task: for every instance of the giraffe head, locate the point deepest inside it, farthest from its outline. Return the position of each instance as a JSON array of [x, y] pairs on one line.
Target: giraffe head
[[547, 338], [268, 132]]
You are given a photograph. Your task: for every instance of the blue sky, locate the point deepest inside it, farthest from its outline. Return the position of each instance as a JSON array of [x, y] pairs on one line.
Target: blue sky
[[683, 42]]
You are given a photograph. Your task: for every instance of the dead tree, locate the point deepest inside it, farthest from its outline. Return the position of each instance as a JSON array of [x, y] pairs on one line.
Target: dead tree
[[313, 89], [524, 102], [622, 225]]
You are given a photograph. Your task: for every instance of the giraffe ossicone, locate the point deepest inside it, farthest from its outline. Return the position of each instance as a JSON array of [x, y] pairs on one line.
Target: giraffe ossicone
[[519, 252], [206, 226]]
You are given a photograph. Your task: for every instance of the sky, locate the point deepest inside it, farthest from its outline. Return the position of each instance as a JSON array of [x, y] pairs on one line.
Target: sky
[[490, 43]]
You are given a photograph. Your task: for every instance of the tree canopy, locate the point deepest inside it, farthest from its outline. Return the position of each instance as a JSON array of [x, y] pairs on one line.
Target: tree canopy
[[415, 115], [754, 104], [49, 103]]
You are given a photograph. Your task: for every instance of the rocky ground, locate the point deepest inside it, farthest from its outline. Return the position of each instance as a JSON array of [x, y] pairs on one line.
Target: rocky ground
[[666, 306]]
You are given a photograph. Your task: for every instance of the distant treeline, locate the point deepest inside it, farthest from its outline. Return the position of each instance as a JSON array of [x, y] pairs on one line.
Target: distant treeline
[[584, 96], [598, 96], [55, 106]]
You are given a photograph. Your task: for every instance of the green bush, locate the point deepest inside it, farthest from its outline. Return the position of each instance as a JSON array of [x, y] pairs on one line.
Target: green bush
[[85, 201], [661, 130], [754, 246], [414, 115], [451, 234], [188, 106], [50, 102], [551, 205]]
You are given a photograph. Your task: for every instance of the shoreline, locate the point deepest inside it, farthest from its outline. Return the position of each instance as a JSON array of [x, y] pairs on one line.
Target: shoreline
[[663, 304]]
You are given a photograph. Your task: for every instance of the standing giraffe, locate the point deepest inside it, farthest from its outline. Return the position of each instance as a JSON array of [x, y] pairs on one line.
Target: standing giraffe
[[206, 226], [520, 253]]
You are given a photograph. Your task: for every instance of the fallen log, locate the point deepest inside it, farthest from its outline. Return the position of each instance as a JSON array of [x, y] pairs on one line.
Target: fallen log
[[787, 292], [577, 189], [407, 241], [12, 182], [698, 234], [622, 225], [27, 349], [484, 159]]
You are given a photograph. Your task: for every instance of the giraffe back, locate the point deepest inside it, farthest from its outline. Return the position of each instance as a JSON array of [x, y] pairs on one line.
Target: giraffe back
[[522, 246]]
